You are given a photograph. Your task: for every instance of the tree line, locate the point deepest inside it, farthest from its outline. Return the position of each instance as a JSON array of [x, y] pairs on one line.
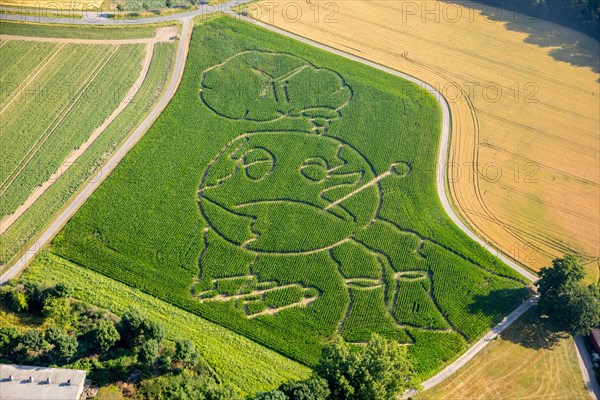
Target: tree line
[[133, 352], [582, 15], [48, 327]]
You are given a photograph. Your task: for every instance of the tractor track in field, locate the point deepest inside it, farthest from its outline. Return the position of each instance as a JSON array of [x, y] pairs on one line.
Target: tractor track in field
[[48, 234], [162, 35], [75, 154], [590, 384]]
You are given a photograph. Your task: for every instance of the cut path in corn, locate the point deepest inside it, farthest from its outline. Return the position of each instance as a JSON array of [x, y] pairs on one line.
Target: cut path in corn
[[524, 161], [441, 172]]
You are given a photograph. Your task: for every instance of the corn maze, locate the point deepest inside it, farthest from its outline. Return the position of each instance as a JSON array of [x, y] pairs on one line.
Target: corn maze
[[271, 198]]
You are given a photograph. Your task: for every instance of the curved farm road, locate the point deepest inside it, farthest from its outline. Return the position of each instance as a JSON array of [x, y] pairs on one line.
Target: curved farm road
[[587, 372], [163, 34], [590, 384]]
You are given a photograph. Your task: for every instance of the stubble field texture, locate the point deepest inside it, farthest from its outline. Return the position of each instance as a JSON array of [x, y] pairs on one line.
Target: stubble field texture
[[61, 120], [272, 198], [523, 165], [530, 360]]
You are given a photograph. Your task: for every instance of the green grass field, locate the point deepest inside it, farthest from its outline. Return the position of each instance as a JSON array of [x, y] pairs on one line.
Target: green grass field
[[272, 198], [236, 360], [82, 31], [25, 228]]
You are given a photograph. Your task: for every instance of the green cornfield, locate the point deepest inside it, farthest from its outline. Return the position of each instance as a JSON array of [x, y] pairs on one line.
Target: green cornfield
[[273, 198]]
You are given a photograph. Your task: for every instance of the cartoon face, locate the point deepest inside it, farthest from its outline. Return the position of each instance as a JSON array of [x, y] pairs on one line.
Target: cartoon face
[[288, 192], [261, 86]]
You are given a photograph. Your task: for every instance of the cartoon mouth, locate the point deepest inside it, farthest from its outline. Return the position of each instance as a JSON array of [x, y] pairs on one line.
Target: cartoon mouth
[[337, 210]]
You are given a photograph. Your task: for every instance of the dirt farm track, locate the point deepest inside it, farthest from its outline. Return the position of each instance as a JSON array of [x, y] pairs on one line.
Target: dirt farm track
[[524, 95]]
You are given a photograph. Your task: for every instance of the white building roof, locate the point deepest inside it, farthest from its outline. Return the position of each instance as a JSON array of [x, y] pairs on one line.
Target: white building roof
[[64, 384]]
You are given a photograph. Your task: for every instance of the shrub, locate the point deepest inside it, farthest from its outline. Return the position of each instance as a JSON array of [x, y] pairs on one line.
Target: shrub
[[32, 341], [106, 335], [8, 339], [149, 352]]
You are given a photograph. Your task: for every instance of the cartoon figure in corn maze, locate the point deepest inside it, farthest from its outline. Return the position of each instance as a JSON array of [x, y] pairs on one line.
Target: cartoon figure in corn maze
[[293, 194]]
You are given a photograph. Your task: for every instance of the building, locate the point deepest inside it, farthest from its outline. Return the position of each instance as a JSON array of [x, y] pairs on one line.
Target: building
[[595, 339], [18, 382]]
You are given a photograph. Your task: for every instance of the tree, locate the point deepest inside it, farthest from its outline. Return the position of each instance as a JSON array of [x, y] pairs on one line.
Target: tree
[[106, 335], [580, 310], [337, 367], [131, 326], [59, 311], [136, 328], [571, 305], [153, 330], [32, 341], [272, 395], [184, 386], [185, 350], [61, 290], [65, 346], [314, 388], [553, 279], [149, 352], [18, 301], [8, 339], [52, 334], [384, 371], [380, 370]]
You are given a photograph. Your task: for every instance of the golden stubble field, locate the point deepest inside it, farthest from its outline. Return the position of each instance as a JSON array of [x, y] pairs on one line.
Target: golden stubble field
[[525, 98], [530, 360], [50, 5]]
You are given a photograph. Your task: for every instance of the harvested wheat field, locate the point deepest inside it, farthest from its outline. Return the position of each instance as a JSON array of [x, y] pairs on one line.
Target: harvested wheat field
[[531, 360], [54, 4], [524, 96]]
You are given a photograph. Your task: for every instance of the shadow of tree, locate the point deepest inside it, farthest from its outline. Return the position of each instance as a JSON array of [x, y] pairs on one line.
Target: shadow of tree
[[565, 44], [531, 330], [534, 332]]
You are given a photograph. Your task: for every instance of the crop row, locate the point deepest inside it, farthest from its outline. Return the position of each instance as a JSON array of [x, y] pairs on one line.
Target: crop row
[[54, 126], [166, 243], [29, 224], [19, 60]]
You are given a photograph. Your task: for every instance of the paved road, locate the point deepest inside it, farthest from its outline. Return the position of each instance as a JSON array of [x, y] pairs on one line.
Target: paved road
[[441, 177], [476, 348], [87, 191], [103, 18], [444, 143], [591, 384], [587, 370]]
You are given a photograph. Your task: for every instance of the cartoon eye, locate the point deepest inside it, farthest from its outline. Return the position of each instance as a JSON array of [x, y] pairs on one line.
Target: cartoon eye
[[315, 169], [258, 163]]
